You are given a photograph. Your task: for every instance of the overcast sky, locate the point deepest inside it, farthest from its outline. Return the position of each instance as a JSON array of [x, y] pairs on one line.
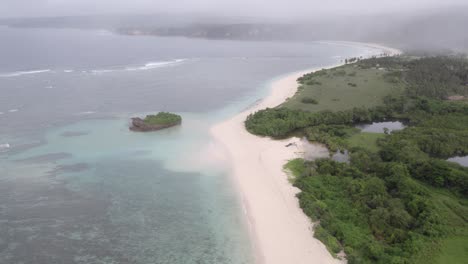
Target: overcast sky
[[261, 8]]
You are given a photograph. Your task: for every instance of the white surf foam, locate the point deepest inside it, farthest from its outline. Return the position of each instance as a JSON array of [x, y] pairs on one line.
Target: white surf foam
[[4, 146], [21, 73], [13, 110], [101, 71], [155, 65], [103, 32], [86, 113], [147, 66]]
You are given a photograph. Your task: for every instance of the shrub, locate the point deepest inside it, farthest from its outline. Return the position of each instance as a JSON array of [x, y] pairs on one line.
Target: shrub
[[313, 82], [309, 100]]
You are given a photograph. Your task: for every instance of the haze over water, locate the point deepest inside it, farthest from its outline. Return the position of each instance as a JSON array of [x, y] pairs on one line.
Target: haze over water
[[76, 186]]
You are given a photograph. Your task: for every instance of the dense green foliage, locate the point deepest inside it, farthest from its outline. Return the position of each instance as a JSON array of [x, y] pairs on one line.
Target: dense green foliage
[[295, 167], [373, 209], [368, 213], [398, 200], [333, 136], [280, 122], [421, 147], [163, 118]]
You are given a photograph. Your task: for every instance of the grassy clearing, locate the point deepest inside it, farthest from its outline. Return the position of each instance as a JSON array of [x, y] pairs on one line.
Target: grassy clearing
[[294, 168], [343, 88], [452, 249], [454, 211], [365, 140]]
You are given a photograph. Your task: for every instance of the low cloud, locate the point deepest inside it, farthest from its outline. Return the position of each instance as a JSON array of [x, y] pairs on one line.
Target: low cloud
[[254, 8]]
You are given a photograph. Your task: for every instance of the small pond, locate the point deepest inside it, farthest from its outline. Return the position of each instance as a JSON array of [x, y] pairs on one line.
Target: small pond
[[378, 127], [313, 151], [342, 157], [460, 160]]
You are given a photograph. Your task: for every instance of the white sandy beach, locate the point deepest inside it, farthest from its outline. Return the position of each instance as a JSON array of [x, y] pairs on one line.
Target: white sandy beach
[[282, 233]]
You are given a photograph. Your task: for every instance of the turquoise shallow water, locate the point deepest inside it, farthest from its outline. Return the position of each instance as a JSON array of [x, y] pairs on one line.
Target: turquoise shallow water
[[76, 186], [115, 196]]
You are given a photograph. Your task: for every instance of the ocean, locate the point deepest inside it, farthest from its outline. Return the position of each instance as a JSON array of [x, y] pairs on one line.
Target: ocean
[[76, 186]]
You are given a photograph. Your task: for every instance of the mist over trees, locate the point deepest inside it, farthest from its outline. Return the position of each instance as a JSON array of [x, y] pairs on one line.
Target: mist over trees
[[430, 30]]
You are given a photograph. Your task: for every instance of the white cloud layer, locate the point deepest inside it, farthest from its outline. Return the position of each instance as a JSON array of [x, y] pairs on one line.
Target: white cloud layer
[[261, 8]]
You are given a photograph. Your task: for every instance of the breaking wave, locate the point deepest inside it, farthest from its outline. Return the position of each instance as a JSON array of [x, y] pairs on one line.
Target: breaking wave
[[147, 66], [154, 65], [21, 73], [86, 113], [4, 147]]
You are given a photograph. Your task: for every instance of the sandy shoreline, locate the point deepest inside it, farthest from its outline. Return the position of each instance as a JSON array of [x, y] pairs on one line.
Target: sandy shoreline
[[384, 49], [281, 232]]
